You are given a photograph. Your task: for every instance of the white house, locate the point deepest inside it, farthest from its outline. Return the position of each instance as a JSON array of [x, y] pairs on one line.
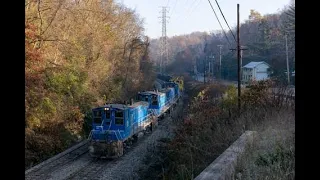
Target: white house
[[255, 71]]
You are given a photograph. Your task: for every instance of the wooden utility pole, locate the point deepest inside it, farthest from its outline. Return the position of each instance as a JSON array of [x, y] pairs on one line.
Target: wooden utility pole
[[211, 57], [288, 69], [209, 71], [204, 70], [238, 56], [204, 65], [220, 60]]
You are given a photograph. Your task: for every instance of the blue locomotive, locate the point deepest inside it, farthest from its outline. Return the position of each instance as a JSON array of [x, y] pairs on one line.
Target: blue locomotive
[[172, 85], [156, 100], [116, 125]]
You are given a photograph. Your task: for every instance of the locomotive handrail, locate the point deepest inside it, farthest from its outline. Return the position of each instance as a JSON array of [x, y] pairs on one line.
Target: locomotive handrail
[[115, 132], [149, 114], [119, 134], [90, 135], [109, 126]]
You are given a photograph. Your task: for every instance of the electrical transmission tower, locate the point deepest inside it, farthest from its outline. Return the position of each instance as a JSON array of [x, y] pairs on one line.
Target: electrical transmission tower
[[164, 54]]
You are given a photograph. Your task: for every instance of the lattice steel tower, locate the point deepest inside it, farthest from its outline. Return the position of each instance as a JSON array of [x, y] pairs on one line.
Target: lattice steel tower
[[163, 41]]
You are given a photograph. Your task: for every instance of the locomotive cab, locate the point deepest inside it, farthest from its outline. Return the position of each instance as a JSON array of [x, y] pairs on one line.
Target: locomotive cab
[[108, 131], [103, 118], [156, 100], [173, 85], [115, 124]]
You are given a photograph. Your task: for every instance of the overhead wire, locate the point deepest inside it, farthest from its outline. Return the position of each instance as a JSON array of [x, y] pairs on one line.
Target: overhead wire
[[219, 23], [167, 3], [226, 21], [173, 7], [195, 7], [187, 10]]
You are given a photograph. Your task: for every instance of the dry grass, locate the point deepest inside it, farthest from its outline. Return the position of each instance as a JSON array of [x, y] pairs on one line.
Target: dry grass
[[211, 126], [272, 156]]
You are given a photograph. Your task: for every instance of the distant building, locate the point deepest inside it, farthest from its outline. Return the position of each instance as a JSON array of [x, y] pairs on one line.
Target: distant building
[[255, 71]]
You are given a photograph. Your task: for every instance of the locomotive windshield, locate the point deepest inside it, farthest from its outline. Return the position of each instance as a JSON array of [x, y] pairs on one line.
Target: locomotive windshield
[[143, 98], [97, 117], [108, 113], [139, 97], [154, 100], [119, 117]]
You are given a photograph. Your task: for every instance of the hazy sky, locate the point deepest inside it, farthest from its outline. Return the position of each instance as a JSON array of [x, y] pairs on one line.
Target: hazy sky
[[186, 16]]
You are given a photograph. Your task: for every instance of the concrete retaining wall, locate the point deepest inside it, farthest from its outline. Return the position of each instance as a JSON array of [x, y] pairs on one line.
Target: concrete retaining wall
[[223, 167], [56, 156]]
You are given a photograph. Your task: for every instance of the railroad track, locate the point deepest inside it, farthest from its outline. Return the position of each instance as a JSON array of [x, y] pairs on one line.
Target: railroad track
[[126, 166], [44, 169], [75, 163], [93, 169], [90, 171]]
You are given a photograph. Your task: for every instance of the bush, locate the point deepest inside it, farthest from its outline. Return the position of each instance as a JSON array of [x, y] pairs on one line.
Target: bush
[[209, 129]]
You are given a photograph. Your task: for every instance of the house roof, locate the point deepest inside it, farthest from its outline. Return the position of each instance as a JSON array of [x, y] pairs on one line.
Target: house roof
[[254, 64]]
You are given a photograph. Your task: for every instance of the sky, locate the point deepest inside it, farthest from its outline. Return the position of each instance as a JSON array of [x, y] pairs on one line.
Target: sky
[[187, 16]]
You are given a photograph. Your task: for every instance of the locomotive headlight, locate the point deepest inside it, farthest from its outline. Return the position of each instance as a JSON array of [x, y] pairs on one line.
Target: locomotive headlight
[[106, 109]]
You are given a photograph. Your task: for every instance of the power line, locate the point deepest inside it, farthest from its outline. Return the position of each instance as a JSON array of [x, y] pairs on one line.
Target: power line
[[173, 7], [191, 7], [219, 22], [226, 21], [187, 10], [195, 7], [190, 10], [168, 2]]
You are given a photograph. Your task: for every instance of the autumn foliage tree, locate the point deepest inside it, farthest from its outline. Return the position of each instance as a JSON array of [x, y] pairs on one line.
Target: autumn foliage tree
[[79, 54]]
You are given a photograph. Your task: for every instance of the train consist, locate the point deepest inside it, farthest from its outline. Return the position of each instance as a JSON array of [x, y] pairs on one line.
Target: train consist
[[116, 126]]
